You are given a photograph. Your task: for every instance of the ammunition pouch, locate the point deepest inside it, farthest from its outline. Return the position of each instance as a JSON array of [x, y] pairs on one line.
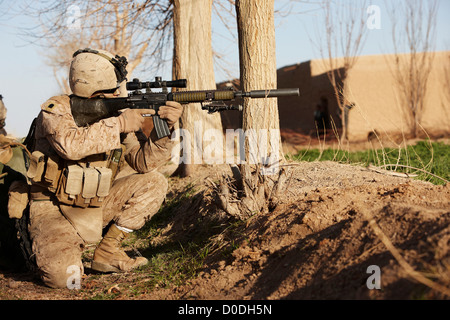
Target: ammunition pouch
[[17, 198], [84, 186], [83, 183], [44, 170]]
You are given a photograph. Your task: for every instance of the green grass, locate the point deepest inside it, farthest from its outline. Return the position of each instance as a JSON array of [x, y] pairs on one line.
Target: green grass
[[178, 258], [175, 266], [172, 262], [165, 213], [422, 159]]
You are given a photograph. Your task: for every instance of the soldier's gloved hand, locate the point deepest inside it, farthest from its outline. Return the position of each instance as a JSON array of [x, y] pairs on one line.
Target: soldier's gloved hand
[[131, 119], [171, 112]]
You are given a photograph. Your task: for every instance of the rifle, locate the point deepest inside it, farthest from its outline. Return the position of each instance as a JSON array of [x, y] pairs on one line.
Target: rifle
[[86, 111]]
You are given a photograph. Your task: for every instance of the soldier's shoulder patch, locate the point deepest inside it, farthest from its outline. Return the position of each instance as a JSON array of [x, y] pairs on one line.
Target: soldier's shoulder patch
[[50, 106]]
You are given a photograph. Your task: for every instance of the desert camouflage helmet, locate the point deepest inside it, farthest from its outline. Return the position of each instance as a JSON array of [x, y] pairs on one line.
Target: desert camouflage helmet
[[95, 70]]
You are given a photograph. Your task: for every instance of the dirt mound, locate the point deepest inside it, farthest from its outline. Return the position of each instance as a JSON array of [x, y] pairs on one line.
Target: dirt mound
[[317, 244]]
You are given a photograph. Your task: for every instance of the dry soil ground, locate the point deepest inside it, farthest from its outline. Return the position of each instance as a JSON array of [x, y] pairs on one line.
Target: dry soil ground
[[317, 244]]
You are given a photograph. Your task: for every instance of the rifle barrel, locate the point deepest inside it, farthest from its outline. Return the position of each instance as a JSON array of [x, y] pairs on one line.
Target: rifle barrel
[[270, 93], [226, 95]]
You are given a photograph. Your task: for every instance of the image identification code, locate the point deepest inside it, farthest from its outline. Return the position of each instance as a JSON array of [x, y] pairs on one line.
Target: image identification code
[[226, 309]]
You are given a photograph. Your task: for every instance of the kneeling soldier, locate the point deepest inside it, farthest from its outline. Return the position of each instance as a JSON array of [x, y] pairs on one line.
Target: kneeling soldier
[[74, 194]]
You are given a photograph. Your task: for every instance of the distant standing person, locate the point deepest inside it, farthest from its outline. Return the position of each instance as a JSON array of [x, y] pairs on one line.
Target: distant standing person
[[2, 116], [321, 115]]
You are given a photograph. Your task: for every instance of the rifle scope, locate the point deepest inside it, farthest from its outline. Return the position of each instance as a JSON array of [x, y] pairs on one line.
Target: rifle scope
[[158, 83]]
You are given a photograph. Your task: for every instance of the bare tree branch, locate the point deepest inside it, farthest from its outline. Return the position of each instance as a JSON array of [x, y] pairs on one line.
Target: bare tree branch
[[136, 29], [416, 36]]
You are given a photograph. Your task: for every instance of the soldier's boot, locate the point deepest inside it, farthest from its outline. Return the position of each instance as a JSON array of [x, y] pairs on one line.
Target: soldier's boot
[[110, 257]]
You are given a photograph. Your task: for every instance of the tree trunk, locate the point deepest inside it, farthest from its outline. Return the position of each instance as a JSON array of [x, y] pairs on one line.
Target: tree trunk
[[258, 182], [258, 68], [193, 60]]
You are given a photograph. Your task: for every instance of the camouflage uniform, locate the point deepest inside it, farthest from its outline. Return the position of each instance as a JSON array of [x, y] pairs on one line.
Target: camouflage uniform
[[132, 200], [2, 116]]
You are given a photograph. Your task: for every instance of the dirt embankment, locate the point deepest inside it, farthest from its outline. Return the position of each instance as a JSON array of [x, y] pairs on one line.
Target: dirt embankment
[[317, 244]]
